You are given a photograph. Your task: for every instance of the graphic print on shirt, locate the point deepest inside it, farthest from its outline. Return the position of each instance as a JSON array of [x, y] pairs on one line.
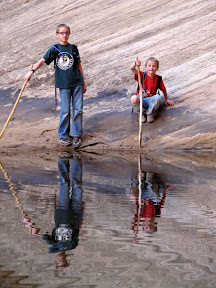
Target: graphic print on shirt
[[64, 60]]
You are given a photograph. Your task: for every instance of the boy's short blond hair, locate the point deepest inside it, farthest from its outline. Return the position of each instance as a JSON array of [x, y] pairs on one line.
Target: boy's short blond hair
[[62, 25], [152, 59]]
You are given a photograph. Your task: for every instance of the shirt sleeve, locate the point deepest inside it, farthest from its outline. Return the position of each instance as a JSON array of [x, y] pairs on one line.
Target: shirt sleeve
[[50, 55]]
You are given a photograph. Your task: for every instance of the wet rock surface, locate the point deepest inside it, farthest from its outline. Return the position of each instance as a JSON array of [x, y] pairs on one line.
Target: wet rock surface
[[110, 36]]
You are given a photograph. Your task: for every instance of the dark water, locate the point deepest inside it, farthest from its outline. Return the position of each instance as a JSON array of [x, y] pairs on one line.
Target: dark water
[[89, 220]]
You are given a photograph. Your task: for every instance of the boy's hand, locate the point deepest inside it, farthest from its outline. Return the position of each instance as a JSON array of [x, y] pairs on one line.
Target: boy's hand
[[28, 75], [169, 102], [137, 62]]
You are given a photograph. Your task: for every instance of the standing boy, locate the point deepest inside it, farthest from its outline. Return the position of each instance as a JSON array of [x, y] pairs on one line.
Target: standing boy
[[70, 81], [151, 82]]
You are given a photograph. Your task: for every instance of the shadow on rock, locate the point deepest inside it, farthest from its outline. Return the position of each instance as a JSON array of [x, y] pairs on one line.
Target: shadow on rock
[[107, 96]]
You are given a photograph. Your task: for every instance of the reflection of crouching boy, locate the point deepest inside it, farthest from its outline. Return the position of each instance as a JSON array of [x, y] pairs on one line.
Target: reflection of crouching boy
[[151, 82]]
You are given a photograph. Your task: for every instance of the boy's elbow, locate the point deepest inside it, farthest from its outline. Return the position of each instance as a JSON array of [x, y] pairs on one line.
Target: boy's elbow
[[134, 71], [41, 62]]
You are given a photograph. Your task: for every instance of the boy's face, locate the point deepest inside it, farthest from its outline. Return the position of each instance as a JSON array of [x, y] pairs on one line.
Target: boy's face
[[63, 35], [151, 68]]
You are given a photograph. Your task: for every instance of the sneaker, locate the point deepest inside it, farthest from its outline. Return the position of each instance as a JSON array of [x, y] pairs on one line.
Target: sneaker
[[76, 156], [65, 141], [143, 117], [136, 107], [64, 155], [150, 118], [77, 142]]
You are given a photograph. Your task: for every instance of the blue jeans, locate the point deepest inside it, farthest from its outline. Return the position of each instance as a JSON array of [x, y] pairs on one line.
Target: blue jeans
[[151, 104], [70, 178], [68, 97]]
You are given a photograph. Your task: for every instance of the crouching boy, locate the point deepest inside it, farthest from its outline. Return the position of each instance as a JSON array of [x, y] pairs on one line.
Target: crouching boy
[[151, 82]]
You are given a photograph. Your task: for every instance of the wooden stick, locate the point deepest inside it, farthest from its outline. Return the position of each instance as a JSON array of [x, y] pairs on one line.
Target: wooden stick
[[141, 107], [14, 108]]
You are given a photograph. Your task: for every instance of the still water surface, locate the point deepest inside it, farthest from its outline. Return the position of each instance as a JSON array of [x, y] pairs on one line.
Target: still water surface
[[88, 220]]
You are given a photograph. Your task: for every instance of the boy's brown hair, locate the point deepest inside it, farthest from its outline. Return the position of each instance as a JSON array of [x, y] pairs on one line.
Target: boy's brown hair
[[62, 25], [152, 59]]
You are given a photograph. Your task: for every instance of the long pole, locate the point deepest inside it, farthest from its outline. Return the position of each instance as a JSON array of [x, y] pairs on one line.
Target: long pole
[[141, 107], [14, 108]]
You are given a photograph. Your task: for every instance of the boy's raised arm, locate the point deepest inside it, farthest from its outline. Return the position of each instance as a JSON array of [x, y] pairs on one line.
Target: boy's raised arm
[[133, 66]]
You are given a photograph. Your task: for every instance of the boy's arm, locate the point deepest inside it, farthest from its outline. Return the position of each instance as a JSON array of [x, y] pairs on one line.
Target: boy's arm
[[35, 67], [167, 100], [81, 71], [133, 66]]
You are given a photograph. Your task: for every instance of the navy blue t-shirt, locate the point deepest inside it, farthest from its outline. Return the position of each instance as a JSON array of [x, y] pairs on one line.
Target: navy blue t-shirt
[[66, 57]]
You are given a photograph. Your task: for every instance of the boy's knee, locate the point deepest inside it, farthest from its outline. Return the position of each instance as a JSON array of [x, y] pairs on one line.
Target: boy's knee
[[158, 97], [134, 99], [77, 112]]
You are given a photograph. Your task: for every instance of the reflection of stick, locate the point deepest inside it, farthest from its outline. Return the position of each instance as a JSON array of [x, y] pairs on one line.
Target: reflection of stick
[[140, 189], [14, 193], [14, 108], [12, 189], [141, 107], [8, 179]]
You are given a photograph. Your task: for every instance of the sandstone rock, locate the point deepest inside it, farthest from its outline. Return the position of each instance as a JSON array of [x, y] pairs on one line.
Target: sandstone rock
[[110, 35]]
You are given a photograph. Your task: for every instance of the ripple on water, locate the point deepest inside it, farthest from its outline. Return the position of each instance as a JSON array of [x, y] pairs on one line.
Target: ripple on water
[[163, 240]]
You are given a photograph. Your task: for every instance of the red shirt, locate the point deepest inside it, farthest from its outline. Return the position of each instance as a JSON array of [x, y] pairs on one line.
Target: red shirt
[[150, 84]]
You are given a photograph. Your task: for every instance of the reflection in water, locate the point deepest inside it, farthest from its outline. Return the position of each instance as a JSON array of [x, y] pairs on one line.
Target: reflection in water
[[68, 210], [177, 251], [25, 218], [149, 195]]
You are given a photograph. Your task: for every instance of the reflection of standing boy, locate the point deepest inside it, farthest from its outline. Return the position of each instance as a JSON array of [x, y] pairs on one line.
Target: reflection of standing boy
[[70, 81], [150, 84], [68, 212]]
